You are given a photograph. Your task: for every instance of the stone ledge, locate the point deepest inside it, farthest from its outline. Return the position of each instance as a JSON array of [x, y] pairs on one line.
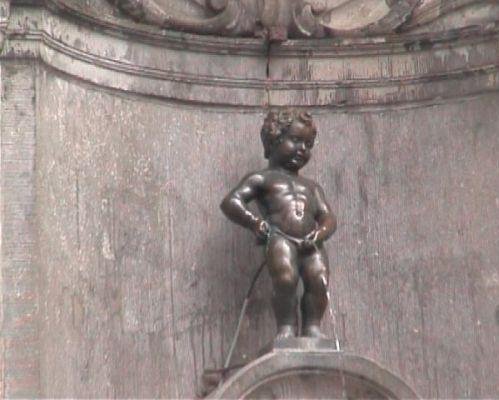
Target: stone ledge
[[301, 358], [388, 72]]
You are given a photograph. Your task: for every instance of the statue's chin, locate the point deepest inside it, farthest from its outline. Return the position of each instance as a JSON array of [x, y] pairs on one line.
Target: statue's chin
[[295, 164]]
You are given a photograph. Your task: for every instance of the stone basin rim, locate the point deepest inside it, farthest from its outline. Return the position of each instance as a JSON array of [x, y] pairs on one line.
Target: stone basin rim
[[285, 362]]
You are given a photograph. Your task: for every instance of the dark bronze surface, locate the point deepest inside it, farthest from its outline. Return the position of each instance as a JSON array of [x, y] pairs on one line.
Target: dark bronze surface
[[294, 220]]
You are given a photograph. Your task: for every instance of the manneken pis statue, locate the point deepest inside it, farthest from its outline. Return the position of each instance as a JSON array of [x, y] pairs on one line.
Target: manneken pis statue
[[294, 220]]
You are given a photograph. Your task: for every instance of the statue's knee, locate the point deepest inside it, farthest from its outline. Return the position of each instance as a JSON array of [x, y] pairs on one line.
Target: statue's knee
[[286, 281], [318, 281]]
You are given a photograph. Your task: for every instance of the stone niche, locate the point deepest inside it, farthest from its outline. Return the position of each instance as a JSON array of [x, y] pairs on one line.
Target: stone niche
[[122, 125]]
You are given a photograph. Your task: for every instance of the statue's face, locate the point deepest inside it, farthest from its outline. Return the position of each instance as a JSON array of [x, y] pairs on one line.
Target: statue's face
[[293, 150]]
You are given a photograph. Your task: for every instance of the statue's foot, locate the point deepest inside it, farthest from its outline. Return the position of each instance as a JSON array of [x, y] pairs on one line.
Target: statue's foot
[[313, 331], [285, 331]]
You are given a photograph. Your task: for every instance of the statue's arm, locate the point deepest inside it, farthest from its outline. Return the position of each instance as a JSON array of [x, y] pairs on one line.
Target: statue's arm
[[235, 204], [325, 218]]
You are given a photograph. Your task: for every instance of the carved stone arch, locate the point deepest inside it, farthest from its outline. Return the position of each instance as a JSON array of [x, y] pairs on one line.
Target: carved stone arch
[[298, 374]]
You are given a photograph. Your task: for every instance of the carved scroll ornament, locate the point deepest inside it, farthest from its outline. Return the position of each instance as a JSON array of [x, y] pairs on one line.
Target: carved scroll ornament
[[294, 18], [204, 17], [4, 19]]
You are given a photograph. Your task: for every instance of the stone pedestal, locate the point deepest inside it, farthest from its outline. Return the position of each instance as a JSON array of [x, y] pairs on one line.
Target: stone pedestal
[[310, 369]]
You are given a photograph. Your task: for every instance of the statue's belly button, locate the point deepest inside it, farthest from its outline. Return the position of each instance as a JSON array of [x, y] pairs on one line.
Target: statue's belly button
[[300, 209]]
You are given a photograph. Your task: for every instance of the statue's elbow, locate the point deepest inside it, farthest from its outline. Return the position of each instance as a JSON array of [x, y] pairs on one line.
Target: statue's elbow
[[226, 205], [331, 225]]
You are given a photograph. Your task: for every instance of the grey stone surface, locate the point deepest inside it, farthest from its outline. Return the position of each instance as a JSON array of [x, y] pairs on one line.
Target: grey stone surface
[[19, 318], [298, 374], [412, 262]]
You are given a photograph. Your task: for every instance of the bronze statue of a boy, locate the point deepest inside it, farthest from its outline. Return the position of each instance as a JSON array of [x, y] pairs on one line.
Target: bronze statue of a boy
[[294, 221]]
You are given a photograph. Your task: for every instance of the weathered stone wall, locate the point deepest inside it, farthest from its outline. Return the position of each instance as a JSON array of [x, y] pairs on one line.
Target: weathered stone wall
[[143, 277], [19, 345], [140, 272], [121, 278]]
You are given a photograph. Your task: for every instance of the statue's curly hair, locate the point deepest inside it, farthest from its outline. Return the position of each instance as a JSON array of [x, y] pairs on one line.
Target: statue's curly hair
[[278, 122]]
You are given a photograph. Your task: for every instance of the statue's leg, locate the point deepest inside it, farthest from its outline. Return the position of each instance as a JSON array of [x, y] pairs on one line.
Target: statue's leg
[[283, 269], [315, 275]]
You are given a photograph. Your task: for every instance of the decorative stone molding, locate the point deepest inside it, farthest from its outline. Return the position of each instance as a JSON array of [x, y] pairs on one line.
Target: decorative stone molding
[[207, 17], [92, 45], [469, 12], [282, 19], [4, 19]]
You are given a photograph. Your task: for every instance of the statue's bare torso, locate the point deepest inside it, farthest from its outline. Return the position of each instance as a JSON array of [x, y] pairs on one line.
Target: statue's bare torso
[[288, 202]]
